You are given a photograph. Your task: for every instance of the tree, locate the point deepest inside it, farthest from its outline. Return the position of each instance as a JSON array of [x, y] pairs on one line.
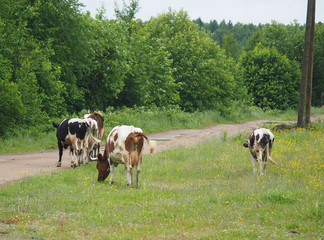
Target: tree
[[287, 39], [59, 25], [149, 80], [31, 71], [11, 106], [231, 46], [271, 78], [201, 67], [318, 73], [105, 79], [254, 40]]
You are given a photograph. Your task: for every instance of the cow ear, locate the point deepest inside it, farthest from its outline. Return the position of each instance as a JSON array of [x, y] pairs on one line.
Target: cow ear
[[245, 144]]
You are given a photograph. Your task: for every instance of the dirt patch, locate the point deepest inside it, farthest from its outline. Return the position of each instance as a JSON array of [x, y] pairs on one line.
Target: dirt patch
[[14, 167]]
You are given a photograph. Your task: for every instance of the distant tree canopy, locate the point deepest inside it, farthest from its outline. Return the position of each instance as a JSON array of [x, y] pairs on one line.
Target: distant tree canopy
[[56, 60]]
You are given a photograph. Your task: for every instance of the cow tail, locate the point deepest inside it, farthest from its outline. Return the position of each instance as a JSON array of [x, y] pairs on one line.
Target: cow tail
[[152, 143], [95, 139]]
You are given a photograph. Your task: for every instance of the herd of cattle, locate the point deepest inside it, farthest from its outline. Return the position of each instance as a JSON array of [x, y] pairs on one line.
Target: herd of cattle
[[125, 144]]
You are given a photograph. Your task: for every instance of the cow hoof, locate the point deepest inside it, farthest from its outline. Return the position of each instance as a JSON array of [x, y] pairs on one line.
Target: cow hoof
[[58, 164], [73, 165]]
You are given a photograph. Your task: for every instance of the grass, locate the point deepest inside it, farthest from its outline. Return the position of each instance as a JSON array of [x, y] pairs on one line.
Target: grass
[[203, 192], [150, 120]]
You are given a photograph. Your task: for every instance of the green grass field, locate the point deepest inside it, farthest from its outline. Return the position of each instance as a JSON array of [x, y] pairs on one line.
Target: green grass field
[[203, 192]]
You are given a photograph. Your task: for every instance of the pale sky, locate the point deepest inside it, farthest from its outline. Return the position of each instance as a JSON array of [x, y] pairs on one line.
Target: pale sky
[[243, 11]]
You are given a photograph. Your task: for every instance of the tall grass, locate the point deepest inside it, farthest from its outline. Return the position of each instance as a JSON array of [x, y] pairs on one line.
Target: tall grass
[[202, 192], [150, 120]]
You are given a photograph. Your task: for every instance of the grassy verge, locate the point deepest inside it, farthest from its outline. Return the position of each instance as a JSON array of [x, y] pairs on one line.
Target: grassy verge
[[150, 120], [203, 192]]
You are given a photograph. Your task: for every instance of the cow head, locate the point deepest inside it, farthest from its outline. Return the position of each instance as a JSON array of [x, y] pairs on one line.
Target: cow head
[[103, 168], [257, 143]]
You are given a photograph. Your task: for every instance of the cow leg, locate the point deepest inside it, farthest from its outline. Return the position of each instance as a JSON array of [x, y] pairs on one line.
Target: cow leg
[[112, 171], [72, 153], [74, 157], [60, 146], [262, 165], [138, 170], [94, 151], [128, 173], [254, 164], [87, 156], [80, 156]]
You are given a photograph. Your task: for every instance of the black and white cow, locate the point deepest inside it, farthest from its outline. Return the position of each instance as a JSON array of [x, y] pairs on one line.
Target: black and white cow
[[75, 133], [260, 144]]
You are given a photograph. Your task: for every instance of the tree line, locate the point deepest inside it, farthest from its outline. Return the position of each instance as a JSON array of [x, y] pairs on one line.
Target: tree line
[[57, 60]]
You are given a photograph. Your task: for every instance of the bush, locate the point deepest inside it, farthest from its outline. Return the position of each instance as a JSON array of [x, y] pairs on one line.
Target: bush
[[272, 79]]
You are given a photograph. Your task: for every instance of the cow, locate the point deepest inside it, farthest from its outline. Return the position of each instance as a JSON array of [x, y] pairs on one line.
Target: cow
[[124, 145], [101, 130], [260, 144], [99, 118], [75, 133]]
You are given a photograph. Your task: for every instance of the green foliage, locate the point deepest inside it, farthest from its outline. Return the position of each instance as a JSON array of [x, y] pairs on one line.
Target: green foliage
[[38, 90], [272, 79], [318, 66], [253, 41], [56, 61], [105, 79], [231, 46], [288, 40], [201, 66], [128, 12], [149, 80], [11, 106]]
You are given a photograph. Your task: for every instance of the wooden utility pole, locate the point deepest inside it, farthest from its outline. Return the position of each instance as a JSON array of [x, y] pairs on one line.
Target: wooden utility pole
[[310, 70], [305, 93]]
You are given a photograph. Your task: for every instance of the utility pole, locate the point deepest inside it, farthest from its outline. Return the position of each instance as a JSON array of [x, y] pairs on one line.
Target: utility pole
[[307, 68]]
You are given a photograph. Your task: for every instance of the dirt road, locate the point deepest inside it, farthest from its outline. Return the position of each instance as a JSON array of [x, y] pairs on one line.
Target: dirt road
[[14, 167]]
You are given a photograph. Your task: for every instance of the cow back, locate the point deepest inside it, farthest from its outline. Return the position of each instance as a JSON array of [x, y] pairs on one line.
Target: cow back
[[78, 128], [100, 122]]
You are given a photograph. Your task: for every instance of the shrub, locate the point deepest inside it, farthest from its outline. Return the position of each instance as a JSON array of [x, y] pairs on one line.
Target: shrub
[[272, 79]]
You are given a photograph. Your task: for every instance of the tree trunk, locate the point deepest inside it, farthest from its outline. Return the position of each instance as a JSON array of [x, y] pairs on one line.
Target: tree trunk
[[307, 64]]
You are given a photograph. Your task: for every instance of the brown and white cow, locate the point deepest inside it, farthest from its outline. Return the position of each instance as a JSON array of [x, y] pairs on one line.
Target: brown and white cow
[[260, 144], [99, 118], [124, 146], [75, 133]]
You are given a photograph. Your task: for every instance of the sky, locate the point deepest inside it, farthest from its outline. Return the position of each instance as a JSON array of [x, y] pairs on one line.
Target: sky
[[243, 11]]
